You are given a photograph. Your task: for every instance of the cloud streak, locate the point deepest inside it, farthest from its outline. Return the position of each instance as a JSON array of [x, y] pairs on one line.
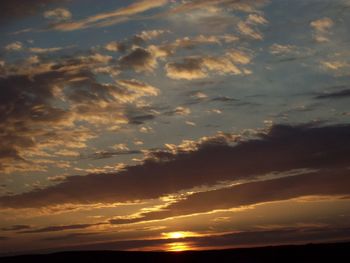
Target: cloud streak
[[281, 149], [327, 182], [110, 18]]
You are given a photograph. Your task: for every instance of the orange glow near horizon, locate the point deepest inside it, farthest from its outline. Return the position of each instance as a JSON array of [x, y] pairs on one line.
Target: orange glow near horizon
[[179, 234], [178, 247]]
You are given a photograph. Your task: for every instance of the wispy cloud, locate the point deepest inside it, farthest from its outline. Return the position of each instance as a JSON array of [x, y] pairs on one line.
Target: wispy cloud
[[110, 18]]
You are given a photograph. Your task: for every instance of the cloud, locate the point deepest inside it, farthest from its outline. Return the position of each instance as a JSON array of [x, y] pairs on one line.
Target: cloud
[[139, 59], [58, 14], [110, 18], [223, 99], [116, 46], [279, 49], [59, 228], [321, 29], [337, 66], [57, 178], [147, 35], [182, 111], [41, 102], [71, 236], [192, 42], [15, 9], [322, 25], [138, 39], [247, 30], [190, 68], [139, 87], [139, 119], [340, 94], [18, 46], [200, 67], [327, 182], [109, 154], [39, 50], [15, 46], [282, 148], [245, 5], [256, 19], [16, 228]]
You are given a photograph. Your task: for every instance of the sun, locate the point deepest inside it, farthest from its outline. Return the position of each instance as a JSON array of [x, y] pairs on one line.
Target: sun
[[176, 235], [179, 244], [179, 234]]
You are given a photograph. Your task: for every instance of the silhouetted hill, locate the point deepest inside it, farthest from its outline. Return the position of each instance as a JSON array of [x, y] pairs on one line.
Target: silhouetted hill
[[312, 253]]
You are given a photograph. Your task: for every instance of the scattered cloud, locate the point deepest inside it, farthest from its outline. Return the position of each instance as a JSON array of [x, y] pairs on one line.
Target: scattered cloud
[[247, 29], [58, 14], [147, 35], [199, 67], [15, 46], [278, 49], [337, 67], [321, 29], [116, 46], [139, 59], [39, 50], [49, 97], [190, 68], [182, 111]]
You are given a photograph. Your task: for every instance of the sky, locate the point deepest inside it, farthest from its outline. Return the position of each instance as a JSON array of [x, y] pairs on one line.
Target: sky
[[173, 125]]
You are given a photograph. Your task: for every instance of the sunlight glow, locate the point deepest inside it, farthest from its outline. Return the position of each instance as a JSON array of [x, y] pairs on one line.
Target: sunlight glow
[[177, 247], [179, 234]]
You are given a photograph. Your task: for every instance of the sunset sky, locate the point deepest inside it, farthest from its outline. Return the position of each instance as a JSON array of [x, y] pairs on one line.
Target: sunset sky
[[173, 124]]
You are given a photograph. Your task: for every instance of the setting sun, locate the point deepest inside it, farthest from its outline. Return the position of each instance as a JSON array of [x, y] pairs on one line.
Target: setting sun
[[179, 234]]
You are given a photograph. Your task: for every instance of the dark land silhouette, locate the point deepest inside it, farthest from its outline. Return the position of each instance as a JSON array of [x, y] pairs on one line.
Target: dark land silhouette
[[310, 253]]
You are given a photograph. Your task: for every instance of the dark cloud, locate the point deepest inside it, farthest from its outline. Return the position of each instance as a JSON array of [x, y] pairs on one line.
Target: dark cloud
[[223, 99], [72, 236], [140, 119], [283, 148], [189, 68], [10, 10], [345, 93], [109, 154], [16, 228], [328, 182], [25, 103], [286, 235], [139, 59], [59, 228]]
